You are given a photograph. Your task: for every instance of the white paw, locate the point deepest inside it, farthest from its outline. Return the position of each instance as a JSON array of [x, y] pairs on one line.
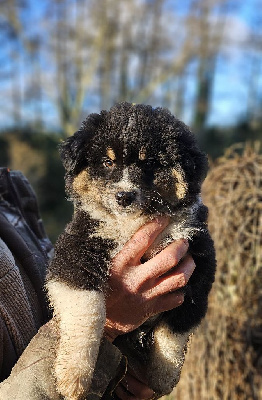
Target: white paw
[[73, 381]]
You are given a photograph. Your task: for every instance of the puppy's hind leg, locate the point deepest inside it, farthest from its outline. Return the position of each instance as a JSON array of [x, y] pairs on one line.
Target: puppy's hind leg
[[81, 316], [166, 358]]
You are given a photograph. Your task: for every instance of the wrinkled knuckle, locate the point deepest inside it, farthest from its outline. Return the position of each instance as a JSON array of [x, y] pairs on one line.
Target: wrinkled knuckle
[[146, 239], [142, 237]]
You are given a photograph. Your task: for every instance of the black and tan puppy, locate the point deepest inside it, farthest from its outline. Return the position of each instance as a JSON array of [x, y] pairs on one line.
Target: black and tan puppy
[[124, 167]]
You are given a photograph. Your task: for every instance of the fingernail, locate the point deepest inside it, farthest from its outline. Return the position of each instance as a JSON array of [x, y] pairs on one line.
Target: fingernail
[[162, 220]]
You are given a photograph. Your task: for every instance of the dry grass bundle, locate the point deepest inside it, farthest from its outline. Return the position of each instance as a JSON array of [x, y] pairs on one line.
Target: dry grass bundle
[[224, 361]]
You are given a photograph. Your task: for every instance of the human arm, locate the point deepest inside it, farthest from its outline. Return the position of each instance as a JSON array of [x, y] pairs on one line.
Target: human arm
[[140, 290]]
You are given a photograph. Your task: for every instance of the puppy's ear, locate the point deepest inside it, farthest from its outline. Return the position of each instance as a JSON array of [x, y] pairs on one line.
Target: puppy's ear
[[72, 153], [75, 150]]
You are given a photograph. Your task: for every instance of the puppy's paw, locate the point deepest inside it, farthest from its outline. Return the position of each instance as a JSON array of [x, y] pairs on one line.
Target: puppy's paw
[[73, 376]]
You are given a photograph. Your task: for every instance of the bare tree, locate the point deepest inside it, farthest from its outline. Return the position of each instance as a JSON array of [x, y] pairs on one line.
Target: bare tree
[[253, 50], [103, 48], [209, 18], [82, 55]]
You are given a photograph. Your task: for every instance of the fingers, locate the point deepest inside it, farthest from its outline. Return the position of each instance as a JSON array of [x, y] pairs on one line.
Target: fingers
[[131, 388], [161, 263], [176, 279], [166, 295], [166, 302], [141, 241]]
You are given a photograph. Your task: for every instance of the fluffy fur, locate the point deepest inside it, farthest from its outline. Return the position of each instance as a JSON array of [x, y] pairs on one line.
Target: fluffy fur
[[124, 167]]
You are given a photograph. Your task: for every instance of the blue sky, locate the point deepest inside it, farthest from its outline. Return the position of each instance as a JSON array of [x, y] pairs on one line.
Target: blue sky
[[231, 83]]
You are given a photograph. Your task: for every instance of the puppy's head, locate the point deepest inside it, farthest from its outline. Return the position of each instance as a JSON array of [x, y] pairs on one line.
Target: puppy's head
[[133, 159]]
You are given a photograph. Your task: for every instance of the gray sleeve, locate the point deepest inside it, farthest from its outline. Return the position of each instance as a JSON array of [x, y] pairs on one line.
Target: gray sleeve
[[17, 321]]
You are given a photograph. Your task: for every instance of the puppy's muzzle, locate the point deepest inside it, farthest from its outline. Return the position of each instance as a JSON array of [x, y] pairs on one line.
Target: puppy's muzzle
[[125, 199]]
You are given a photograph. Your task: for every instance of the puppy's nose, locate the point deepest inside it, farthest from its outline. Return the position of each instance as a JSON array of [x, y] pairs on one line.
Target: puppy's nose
[[125, 199]]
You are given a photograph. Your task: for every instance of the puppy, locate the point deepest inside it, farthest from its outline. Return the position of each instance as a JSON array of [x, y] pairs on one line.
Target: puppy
[[123, 168]]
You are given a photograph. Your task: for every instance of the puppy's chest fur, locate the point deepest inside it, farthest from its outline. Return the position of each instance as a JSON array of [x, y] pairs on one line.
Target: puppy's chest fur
[[183, 224]]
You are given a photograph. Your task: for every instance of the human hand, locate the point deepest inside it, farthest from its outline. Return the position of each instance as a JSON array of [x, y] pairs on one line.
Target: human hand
[[130, 388], [138, 291]]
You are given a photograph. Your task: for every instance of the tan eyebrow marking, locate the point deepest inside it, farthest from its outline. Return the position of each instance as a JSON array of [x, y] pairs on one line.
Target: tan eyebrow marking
[[142, 153], [181, 185], [81, 182], [111, 154]]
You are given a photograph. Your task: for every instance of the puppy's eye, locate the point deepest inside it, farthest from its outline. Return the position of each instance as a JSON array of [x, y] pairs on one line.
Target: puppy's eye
[[108, 163]]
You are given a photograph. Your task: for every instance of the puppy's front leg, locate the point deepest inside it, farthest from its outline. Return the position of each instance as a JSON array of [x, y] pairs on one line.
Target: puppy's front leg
[[81, 315]]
